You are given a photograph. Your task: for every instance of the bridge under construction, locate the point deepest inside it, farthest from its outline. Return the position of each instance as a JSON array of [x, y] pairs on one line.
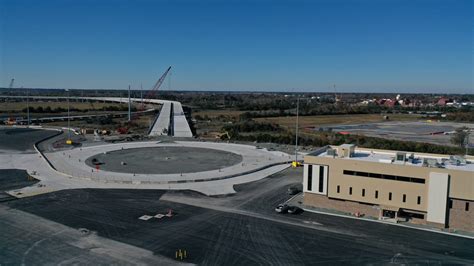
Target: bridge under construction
[[171, 120]]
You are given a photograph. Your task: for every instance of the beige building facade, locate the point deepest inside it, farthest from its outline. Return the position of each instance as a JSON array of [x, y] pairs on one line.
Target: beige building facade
[[398, 186]]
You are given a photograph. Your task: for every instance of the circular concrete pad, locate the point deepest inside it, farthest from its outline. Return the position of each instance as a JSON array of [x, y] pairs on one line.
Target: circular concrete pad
[[164, 160]]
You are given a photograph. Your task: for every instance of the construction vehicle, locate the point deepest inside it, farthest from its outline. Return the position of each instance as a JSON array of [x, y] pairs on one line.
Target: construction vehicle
[[122, 130], [295, 164], [225, 135], [10, 121]]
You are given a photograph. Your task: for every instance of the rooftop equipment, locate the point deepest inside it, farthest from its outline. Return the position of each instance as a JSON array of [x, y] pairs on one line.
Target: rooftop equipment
[[401, 157], [332, 152], [346, 150], [431, 162], [457, 160]]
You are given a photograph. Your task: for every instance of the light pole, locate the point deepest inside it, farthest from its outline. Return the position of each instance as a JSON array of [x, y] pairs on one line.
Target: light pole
[[129, 106], [296, 138], [68, 119], [467, 142], [28, 106]]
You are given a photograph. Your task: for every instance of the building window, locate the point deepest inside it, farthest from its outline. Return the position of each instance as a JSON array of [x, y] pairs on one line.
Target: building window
[[404, 197], [467, 206], [418, 216], [450, 203], [409, 214], [376, 194], [321, 178], [390, 196], [338, 189], [385, 176], [350, 191], [363, 192], [310, 177], [418, 200]]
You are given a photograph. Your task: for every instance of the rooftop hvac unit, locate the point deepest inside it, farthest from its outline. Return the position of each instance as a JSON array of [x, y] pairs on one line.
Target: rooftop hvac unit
[[430, 162], [401, 157], [457, 160], [412, 159], [346, 150], [331, 152]]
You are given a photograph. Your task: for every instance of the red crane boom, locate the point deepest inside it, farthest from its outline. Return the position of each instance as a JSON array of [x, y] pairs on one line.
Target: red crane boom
[[151, 93]]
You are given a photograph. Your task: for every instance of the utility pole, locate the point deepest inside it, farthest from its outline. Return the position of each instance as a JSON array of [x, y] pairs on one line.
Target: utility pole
[[28, 106], [296, 139], [141, 92], [129, 106]]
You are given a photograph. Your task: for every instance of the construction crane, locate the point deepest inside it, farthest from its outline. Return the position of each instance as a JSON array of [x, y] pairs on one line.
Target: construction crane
[[151, 93], [145, 100], [11, 86], [11, 83], [11, 120]]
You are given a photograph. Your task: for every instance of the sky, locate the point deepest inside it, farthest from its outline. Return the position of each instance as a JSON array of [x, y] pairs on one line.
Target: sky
[[262, 45]]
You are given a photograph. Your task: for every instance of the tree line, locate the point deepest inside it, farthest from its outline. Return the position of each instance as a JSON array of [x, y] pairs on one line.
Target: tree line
[[48, 109]]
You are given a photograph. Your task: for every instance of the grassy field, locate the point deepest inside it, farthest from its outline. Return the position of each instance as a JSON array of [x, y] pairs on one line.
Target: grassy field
[[318, 120], [215, 113]]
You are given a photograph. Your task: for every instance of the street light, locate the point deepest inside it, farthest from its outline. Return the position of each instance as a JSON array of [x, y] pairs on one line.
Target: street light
[[296, 163], [27, 106], [68, 141], [467, 142]]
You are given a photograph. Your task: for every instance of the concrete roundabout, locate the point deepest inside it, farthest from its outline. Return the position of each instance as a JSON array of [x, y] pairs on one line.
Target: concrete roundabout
[[164, 163], [211, 168]]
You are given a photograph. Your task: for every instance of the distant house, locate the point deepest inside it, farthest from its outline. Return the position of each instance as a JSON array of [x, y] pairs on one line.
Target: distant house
[[390, 103], [443, 101], [387, 102], [405, 102]]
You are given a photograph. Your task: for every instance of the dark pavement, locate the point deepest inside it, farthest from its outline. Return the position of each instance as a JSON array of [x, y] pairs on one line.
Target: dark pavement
[[239, 229]]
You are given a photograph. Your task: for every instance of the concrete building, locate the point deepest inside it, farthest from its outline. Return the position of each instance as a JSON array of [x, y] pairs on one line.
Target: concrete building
[[399, 186]]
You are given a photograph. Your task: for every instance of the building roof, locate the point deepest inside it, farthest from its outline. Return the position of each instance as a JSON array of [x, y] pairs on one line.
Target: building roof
[[389, 156]]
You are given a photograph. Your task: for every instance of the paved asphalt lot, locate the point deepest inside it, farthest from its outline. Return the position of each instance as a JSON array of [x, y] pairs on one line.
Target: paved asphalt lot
[[21, 139], [165, 160], [241, 229], [11, 179], [419, 131]]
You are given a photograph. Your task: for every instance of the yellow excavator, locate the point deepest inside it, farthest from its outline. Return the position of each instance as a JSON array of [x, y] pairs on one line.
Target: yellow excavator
[[225, 135], [295, 164]]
